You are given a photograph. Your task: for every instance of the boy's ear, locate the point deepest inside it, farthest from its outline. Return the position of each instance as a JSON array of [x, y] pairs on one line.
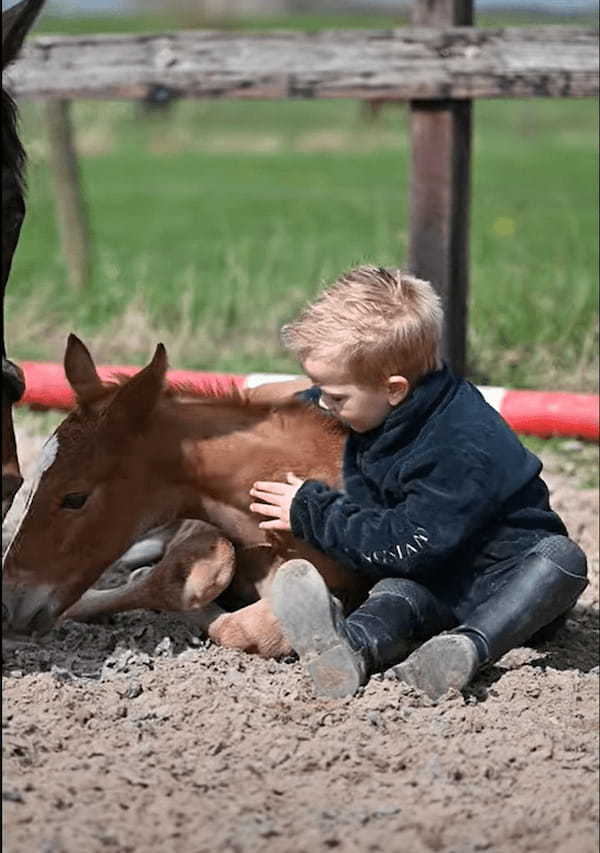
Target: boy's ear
[[397, 389]]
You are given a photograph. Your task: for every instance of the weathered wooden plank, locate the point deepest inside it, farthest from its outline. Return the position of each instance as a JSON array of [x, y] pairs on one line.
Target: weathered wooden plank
[[412, 63]]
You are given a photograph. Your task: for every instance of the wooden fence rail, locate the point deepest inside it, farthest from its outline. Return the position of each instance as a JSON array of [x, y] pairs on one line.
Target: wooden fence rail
[[409, 64]]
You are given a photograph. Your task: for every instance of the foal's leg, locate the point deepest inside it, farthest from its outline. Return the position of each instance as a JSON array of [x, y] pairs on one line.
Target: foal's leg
[[150, 548], [252, 629], [197, 566]]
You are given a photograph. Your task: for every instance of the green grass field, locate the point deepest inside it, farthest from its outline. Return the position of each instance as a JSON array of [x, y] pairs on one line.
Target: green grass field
[[151, 22], [215, 222]]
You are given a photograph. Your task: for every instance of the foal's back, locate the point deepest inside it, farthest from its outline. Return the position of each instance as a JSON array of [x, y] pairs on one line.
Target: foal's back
[[307, 437], [264, 440]]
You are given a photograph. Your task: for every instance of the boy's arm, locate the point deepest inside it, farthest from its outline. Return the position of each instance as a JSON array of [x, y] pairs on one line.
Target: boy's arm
[[439, 506]]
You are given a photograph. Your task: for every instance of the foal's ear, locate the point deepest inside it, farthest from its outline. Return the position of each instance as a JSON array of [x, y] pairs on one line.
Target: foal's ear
[[81, 371], [135, 401]]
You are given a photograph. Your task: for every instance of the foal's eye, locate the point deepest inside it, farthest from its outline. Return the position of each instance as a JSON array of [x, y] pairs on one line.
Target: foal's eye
[[75, 500]]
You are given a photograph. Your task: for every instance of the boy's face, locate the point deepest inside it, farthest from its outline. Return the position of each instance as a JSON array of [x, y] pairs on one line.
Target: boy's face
[[360, 407]]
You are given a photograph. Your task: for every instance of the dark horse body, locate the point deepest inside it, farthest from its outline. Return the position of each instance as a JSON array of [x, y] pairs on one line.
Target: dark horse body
[[16, 23]]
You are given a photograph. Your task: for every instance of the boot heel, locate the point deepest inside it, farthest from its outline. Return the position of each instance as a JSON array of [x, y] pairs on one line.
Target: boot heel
[[335, 672], [445, 661]]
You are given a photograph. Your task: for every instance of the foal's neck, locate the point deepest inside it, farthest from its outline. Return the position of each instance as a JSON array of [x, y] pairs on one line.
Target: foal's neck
[[221, 448]]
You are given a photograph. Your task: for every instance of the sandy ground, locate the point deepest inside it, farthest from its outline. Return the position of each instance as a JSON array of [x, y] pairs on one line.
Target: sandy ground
[[134, 735]]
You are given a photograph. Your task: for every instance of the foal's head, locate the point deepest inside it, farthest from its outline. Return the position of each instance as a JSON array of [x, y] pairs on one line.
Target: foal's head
[[89, 497], [16, 23]]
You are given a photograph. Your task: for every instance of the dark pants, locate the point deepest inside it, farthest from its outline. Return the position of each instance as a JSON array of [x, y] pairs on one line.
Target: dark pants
[[499, 607]]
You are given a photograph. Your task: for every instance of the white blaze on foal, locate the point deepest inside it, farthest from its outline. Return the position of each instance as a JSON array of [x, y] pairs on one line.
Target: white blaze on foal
[[45, 461]]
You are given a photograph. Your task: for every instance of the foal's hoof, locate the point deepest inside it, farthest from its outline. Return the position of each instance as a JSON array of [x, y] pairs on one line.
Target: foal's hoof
[[148, 550], [139, 575]]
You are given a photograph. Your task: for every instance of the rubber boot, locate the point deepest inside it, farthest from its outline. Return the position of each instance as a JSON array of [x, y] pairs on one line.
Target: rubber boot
[[341, 653], [313, 623], [548, 582]]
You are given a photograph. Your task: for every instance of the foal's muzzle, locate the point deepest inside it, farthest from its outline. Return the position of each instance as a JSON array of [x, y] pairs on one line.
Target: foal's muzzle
[[27, 612]]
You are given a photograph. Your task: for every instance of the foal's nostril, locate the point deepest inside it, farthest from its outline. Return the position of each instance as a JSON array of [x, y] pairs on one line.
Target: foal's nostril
[[41, 622]]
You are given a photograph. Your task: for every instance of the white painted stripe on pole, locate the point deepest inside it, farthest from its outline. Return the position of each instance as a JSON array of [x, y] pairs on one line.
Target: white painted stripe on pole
[[255, 379], [493, 395]]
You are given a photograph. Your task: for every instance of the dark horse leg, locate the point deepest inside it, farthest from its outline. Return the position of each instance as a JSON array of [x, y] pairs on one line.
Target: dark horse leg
[[16, 23], [13, 387]]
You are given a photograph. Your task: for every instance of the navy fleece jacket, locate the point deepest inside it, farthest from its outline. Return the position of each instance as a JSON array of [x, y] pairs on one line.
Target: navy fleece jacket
[[442, 481]]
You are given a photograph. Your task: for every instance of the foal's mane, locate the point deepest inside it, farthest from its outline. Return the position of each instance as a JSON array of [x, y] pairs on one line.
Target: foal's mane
[[232, 399], [235, 400]]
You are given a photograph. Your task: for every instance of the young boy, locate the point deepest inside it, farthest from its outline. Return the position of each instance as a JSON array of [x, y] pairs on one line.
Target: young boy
[[443, 509]]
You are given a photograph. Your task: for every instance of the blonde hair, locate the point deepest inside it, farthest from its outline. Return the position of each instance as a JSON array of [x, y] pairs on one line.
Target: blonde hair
[[377, 322]]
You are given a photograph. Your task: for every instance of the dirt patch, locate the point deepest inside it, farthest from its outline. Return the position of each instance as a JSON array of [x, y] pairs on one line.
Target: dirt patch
[[136, 735]]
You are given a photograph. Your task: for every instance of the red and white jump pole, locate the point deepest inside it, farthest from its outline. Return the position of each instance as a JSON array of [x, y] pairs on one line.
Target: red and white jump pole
[[541, 413]]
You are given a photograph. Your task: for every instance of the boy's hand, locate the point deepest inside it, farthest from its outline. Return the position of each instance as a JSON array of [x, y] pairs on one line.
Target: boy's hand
[[277, 499]]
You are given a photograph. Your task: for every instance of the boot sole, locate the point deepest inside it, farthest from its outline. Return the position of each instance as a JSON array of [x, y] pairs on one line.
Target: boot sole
[[301, 602], [444, 662]]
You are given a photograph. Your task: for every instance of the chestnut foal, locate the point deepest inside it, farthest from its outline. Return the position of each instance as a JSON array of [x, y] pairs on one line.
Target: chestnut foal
[[132, 456]]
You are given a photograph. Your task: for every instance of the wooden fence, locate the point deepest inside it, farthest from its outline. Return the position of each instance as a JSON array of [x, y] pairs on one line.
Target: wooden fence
[[438, 65]]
